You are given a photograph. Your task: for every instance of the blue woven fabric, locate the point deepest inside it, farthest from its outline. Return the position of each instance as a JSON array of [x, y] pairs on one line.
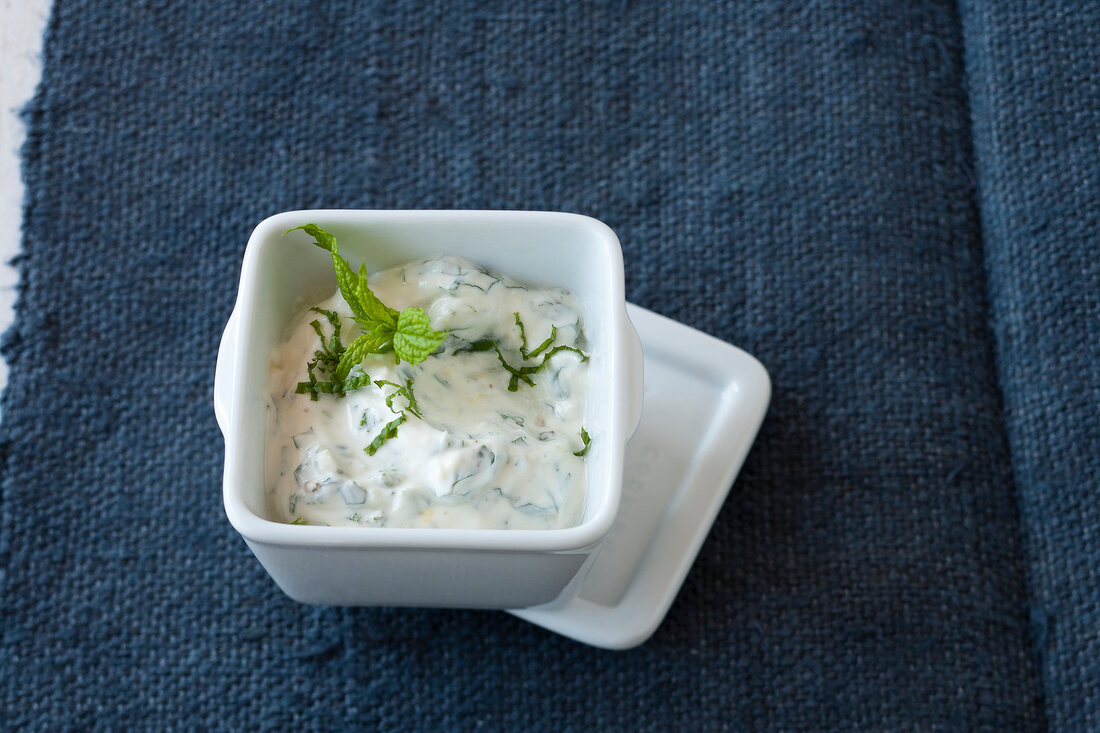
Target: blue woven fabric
[[852, 192], [1035, 90]]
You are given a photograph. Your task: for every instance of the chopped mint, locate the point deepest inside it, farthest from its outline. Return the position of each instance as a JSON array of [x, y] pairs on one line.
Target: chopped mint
[[587, 441], [389, 431]]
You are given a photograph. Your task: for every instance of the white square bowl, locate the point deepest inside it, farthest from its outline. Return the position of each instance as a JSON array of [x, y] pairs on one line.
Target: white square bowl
[[473, 568]]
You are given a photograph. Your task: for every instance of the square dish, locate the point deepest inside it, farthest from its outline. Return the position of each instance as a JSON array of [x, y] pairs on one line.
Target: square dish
[[425, 567]]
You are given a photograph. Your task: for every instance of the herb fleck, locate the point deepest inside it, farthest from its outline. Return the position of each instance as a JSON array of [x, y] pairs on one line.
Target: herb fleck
[[389, 431], [587, 441]]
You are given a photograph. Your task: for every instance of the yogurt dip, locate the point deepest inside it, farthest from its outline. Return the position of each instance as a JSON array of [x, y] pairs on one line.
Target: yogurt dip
[[471, 437]]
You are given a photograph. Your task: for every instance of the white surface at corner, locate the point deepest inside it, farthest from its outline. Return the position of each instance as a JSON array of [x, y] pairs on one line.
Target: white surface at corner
[[22, 23]]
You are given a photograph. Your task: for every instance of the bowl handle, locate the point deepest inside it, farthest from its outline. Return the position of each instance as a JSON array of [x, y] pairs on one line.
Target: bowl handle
[[223, 373], [635, 374]]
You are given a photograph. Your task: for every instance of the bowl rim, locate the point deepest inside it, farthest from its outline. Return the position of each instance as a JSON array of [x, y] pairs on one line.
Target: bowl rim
[[255, 528]]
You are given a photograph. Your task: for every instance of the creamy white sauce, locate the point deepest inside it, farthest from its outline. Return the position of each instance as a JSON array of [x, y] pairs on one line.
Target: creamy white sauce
[[481, 456]]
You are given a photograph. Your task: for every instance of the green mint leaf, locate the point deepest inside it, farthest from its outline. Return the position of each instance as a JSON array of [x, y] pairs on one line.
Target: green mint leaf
[[348, 283], [544, 345], [339, 388], [475, 346], [314, 388], [523, 373], [517, 373], [373, 311], [334, 345], [523, 339], [376, 342], [345, 276], [415, 340], [310, 386], [380, 383], [324, 240], [413, 407], [354, 383], [373, 316], [587, 441], [353, 356], [559, 349], [483, 345], [406, 392], [323, 357], [389, 431], [522, 336], [382, 339]]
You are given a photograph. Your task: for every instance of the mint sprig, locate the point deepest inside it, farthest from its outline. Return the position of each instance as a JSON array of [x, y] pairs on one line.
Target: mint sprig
[[408, 334]]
